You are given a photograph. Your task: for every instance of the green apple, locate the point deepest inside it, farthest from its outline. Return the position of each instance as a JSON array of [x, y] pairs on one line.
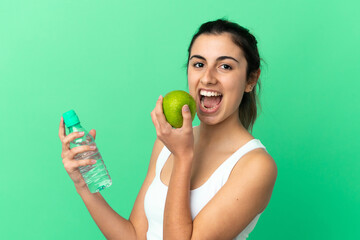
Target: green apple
[[172, 106]]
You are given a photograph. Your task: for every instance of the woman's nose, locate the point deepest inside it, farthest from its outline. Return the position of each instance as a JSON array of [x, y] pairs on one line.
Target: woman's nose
[[208, 77]]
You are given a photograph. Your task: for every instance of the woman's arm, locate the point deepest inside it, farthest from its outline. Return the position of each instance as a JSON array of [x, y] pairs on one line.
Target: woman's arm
[[245, 194], [177, 216], [111, 224], [178, 222]]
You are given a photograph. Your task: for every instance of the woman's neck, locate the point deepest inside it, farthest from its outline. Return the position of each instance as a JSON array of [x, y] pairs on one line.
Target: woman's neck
[[226, 133]]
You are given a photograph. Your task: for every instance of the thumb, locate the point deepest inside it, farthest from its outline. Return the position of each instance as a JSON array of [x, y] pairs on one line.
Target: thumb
[[93, 133], [187, 122]]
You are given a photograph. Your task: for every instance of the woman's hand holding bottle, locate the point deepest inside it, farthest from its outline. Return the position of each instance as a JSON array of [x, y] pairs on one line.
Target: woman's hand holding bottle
[[68, 155]]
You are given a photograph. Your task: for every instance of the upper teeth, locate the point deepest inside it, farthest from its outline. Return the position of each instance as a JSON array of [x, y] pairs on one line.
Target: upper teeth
[[209, 93]]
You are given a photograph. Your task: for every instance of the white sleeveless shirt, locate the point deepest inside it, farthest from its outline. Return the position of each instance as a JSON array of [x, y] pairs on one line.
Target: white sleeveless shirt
[[155, 197]]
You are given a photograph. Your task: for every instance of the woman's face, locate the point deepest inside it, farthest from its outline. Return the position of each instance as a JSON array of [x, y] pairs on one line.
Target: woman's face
[[217, 77]]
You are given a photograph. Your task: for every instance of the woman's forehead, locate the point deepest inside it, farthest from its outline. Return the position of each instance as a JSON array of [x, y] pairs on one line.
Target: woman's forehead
[[212, 46]]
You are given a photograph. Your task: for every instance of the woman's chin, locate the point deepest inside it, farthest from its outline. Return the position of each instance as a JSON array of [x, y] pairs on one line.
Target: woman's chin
[[208, 120]]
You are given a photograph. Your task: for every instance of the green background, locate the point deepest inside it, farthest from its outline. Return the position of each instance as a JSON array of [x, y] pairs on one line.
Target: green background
[[110, 60]]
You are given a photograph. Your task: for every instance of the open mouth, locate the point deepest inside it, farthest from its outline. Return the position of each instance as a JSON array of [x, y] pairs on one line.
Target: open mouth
[[210, 100]]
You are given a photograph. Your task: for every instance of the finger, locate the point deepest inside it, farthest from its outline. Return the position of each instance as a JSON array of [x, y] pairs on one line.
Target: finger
[[71, 165], [93, 133], [71, 137], [62, 133], [76, 150], [187, 120], [154, 120], [160, 113], [85, 162]]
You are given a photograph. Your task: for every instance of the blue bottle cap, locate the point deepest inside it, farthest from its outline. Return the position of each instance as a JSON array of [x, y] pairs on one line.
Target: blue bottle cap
[[70, 118]]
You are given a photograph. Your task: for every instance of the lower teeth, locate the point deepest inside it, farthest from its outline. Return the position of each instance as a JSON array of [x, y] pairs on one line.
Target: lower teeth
[[202, 104]]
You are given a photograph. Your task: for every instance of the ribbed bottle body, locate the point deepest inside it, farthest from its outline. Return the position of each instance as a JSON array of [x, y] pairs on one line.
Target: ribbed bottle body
[[96, 176]]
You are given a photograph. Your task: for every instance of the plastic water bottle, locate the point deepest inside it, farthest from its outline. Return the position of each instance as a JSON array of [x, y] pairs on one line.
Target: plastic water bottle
[[96, 176]]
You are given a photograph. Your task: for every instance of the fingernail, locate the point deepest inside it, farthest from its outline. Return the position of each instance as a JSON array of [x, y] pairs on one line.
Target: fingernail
[[92, 147], [159, 97], [186, 108], [80, 133], [93, 161]]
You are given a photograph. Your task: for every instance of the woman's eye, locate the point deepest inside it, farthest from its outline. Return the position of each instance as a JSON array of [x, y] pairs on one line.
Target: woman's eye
[[225, 66], [197, 65]]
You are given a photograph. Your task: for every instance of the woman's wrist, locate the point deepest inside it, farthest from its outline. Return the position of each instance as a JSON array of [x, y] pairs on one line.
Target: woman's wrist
[[82, 188], [183, 160], [185, 155]]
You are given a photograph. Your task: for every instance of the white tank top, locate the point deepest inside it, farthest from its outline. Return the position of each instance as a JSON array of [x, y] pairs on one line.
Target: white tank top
[[154, 202]]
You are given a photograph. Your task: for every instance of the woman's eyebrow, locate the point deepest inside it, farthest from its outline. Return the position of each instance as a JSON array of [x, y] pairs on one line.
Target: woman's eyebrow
[[218, 59]]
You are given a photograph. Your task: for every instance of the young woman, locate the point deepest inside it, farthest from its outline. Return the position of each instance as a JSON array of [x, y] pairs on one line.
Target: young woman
[[211, 181]]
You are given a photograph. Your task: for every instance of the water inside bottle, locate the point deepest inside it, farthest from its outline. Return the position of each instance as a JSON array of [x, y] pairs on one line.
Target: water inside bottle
[[96, 175]]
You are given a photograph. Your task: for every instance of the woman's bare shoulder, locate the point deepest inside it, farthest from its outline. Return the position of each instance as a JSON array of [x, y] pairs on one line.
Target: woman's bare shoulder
[[256, 169], [255, 161], [256, 158]]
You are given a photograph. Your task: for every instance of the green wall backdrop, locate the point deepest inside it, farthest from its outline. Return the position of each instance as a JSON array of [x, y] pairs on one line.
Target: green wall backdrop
[[110, 60]]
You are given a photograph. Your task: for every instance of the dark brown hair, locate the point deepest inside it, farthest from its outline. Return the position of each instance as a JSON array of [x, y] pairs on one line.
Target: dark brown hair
[[247, 42]]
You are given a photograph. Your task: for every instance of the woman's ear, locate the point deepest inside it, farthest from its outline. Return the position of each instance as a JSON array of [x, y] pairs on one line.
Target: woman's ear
[[254, 77]]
